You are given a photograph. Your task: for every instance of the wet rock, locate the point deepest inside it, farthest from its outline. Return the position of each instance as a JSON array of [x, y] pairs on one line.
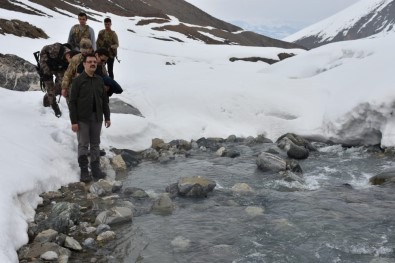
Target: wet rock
[[118, 163], [63, 215], [181, 242], [242, 188], [254, 210], [298, 140], [72, 244], [135, 193], [210, 143], [45, 236], [195, 186], [293, 151], [49, 256], [172, 190], [116, 215], [271, 162], [163, 205], [150, 154], [101, 188], [38, 249], [387, 176], [106, 237]]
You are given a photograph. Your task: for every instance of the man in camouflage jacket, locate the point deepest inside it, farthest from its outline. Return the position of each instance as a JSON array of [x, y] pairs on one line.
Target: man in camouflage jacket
[[71, 72], [80, 31], [108, 39], [54, 60]]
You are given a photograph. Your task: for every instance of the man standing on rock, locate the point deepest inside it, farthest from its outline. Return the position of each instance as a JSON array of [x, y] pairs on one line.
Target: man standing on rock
[[88, 104], [80, 31]]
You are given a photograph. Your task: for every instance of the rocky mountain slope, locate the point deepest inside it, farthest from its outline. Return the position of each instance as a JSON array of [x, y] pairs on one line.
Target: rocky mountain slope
[[363, 19], [193, 22]]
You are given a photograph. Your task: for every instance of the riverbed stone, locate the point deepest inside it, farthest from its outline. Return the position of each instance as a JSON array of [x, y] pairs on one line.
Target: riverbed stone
[[271, 162], [195, 186], [63, 215], [72, 244], [163, 204], [387, 176], [298, 140], [116, 215], [48, 235], [293, 150], [106, 236], [49, 256], [242, 188], [118, 163]]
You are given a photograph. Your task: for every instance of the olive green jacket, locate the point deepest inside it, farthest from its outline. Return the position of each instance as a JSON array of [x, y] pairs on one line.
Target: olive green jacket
[[84, 90]]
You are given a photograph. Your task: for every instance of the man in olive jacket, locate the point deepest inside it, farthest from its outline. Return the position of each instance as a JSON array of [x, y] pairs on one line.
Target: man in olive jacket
[[88, 103]]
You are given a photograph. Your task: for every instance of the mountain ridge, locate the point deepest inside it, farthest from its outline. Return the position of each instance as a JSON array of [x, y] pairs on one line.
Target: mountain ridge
[[363, 19], [185, 12]]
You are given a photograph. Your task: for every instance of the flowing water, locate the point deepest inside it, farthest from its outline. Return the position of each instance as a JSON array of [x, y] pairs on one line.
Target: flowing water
[[334, 215]]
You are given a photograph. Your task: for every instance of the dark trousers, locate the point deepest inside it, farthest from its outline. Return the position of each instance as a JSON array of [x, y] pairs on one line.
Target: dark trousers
[[110, 67], [89, 137], [114, 86]]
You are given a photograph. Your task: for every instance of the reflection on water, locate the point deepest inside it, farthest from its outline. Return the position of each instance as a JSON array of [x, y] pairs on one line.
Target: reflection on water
[[333, 216]]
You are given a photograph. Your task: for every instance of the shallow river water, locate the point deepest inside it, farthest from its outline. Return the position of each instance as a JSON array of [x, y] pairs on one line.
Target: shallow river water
[[334, 215]]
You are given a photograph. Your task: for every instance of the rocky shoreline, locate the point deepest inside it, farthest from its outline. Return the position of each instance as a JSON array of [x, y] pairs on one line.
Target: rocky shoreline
[[78, 223]]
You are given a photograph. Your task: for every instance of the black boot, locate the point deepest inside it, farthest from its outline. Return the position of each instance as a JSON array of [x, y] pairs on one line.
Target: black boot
[[83, 162], [46, 101], [56, 109], [96, 171]]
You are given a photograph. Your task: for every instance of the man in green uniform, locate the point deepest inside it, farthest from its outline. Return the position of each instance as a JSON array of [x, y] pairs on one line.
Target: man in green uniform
[[108, 39]]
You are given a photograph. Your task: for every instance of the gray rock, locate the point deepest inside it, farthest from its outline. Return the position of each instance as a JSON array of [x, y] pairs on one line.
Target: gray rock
[[116, 215], [387, 176], [119, 106], [72, 244], [63, 215], [18, 74], [271, 162], [195, 186], [48, 235]]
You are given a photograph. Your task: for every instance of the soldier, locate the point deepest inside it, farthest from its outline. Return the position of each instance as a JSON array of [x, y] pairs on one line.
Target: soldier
[[87, 117], [80, 31], [108, 39], [71, 72], [54, 60]]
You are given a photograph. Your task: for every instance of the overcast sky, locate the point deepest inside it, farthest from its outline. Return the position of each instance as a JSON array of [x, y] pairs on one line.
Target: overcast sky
[[295, 14]]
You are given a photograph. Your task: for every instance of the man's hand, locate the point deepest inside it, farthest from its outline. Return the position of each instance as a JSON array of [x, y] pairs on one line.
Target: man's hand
[[75, 127], [107, 124], [65, 93]]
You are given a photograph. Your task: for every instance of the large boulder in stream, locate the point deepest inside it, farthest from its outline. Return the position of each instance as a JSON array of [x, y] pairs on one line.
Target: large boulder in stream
[[295, 146], [270, 162], [195, 186], [387, 176]]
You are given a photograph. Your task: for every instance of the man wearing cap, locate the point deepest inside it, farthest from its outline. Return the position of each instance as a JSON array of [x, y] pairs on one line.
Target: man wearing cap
[[80, 31], [71, 72], [54, 60]]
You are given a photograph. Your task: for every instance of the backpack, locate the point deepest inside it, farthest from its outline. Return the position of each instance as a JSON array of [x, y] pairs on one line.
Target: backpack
[[58, 63]]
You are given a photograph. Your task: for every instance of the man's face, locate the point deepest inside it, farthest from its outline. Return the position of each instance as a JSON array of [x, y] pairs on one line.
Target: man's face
[[82, 20], [101, 60], [90, 64], [107, 25]]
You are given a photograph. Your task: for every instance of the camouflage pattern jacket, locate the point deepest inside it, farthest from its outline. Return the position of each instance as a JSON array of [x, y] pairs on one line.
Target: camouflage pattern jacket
[[71, 71], [52, 61], [108, 39], [78, 32]]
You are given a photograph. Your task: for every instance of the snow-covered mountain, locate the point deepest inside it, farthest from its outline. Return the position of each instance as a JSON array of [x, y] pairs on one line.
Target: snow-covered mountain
[[363, 19], [161, 15]]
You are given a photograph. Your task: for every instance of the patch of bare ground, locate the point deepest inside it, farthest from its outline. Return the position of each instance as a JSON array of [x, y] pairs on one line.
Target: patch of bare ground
[[190, 32], [20, 29], [149, 21]]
